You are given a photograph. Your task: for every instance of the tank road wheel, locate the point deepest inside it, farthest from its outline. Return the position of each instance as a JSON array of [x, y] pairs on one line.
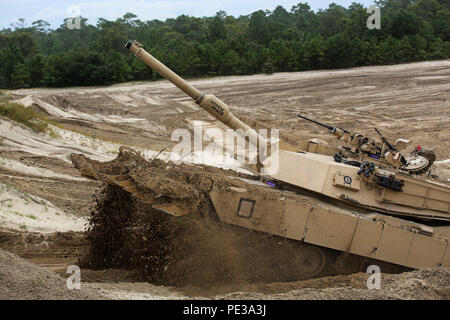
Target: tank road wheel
[[313, 260]]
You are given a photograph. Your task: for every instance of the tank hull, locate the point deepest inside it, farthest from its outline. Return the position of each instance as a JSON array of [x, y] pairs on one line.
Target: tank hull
[[322, 236], [366, 234]]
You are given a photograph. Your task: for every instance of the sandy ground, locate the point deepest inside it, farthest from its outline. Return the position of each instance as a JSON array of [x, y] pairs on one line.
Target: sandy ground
[[22, 280], [41, 193]]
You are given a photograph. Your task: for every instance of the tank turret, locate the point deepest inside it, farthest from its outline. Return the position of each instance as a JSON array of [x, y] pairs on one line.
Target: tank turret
[[360, 147], [363, 184]]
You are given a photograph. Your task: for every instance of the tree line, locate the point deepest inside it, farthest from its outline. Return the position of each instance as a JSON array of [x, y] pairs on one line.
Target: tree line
[[261, 42]]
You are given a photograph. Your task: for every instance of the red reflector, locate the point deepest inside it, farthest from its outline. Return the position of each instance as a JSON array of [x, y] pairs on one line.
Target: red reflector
[[418, 147]]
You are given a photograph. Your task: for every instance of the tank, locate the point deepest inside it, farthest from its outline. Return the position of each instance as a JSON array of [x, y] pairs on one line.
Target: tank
[[371, 205]]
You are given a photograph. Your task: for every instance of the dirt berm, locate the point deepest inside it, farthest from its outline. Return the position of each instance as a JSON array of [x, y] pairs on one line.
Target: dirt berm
[[426, 284], [22, 280]]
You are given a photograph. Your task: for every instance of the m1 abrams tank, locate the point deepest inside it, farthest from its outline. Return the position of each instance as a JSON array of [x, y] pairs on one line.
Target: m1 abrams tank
[[343, 217]]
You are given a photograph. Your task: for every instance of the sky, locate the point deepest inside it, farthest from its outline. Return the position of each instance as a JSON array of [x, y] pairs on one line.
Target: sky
[[55, 11]]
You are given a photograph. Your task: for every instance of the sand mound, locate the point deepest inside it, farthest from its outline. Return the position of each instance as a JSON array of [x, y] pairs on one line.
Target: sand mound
[[426, 284], [20, 279]]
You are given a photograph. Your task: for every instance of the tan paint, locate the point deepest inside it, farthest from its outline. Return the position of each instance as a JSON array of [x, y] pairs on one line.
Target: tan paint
[[320, 173], [388, 239]]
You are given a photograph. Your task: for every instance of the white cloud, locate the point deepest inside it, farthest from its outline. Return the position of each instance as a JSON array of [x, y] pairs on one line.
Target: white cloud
[[48, 14]]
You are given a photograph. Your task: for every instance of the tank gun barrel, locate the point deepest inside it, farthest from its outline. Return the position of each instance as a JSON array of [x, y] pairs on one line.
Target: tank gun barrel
[[156, 65], [208, 102], [390, 146], [331, 128], [316, 122]]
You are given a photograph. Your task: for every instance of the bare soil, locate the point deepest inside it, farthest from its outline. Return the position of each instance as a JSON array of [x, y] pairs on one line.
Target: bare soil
[[427, 284], [22, 280]]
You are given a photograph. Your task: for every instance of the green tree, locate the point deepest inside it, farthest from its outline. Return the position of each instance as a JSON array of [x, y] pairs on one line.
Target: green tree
[[216, 27], [229, 63], [439, 49], [313, 53], [258, 27], [263, 41], [20, 77], [332, 20], [402, 23], [36, 69], [280, 55]]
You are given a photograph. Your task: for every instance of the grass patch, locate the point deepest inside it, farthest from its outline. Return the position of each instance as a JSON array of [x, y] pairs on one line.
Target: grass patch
[[17, 213], [40, 122], [42, 117], [54, 135], [2, 202], [31, 216], [21, 114]]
